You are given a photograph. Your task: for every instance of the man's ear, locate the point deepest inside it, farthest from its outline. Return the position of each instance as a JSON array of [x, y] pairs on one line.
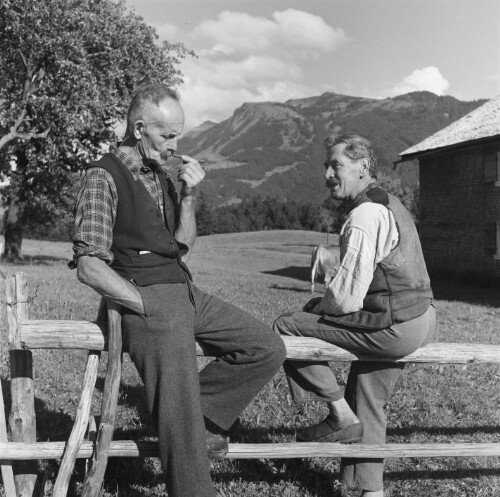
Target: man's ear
[[364, 168], [138, 128]]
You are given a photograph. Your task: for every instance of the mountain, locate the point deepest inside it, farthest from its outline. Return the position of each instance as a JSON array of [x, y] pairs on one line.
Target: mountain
[[276, 149]]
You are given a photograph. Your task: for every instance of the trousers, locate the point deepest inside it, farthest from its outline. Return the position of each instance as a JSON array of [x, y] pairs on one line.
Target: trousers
[[369, 384], [162, 345]]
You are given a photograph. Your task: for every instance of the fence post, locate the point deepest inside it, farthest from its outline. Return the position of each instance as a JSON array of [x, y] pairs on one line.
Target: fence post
[[22, 420]]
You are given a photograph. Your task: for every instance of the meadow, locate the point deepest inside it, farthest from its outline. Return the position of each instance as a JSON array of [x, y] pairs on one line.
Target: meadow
[[266, 273]]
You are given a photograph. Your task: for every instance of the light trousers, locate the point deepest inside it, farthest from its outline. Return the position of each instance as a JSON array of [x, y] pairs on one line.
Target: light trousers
[[369, 384]]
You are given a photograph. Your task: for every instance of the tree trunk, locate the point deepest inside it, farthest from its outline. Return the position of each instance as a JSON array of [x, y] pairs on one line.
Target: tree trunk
[[13, 229]]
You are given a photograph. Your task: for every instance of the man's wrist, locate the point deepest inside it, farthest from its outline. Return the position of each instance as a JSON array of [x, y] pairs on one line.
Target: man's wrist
[[188, 191]]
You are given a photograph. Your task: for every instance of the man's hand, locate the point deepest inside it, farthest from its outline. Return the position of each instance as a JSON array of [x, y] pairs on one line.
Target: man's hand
[[312, 304], [191, 174], [95, 273]]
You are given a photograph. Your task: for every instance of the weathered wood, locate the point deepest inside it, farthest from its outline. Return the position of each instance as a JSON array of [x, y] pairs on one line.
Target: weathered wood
[[36, 334], [94, 478], [22, 413], [79, 426], [91, 435], [6, 466], [292, 450], [16, 290]]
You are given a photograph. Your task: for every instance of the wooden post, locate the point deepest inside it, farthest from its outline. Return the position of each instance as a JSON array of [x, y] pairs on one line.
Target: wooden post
[[6, 466], [79, 426], [22, 420], [94, 478]]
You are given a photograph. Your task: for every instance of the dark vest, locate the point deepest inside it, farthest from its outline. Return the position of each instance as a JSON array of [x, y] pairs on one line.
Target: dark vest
[[400, 289], [141, 227]]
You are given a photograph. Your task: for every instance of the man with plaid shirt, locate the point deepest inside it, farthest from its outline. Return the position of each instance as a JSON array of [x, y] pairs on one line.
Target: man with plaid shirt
[[132, 236]]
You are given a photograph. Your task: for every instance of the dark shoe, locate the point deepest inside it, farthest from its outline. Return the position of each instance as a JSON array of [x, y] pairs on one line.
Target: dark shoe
[[217, 441], [327, 431]]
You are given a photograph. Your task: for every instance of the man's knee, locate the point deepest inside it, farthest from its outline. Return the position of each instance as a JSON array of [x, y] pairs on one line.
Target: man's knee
[[285, 325]]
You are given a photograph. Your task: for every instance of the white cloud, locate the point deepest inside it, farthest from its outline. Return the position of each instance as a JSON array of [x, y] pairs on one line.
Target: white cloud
[[307, 31], [168, 32], [425, 79], [493, 77], [234, 32], [237, 33], [245, 58]]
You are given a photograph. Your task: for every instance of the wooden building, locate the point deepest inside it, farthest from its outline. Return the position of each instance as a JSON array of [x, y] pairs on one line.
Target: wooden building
[[460, 196]]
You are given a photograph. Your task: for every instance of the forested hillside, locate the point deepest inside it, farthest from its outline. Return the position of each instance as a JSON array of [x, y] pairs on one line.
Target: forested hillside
[[276, 149]]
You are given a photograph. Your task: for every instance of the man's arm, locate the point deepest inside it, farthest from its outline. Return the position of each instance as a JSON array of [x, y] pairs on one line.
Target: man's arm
[[95, 273], [95, 212], [190, 174], [368, 236]]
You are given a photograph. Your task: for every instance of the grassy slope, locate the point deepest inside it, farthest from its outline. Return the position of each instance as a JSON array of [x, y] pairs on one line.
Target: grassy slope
[[266, 274]]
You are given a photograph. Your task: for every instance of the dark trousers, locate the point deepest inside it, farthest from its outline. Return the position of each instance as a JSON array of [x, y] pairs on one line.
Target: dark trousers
[[162, 345], [369, 385]]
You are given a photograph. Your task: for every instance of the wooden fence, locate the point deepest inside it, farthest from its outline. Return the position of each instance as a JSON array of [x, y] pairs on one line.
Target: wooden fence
[[26, 334]]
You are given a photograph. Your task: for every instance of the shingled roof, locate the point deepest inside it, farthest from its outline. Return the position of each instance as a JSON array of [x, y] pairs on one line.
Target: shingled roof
[[481, 123]]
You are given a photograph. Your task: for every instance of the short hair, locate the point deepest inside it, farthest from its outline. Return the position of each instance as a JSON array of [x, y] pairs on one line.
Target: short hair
[[154, 94], [356, 148]]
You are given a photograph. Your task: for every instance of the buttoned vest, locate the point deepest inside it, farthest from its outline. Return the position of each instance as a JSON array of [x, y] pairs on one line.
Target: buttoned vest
[[400, 289], [144, 248]]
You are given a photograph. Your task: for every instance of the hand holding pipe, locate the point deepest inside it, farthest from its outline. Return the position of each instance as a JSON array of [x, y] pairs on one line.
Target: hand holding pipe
[[200, 161]]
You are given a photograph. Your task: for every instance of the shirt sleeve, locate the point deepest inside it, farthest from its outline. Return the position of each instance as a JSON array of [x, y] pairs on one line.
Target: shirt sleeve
[[95, 214], [368, 235]]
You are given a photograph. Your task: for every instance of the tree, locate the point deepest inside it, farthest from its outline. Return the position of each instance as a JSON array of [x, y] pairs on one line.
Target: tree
[[69, 68]]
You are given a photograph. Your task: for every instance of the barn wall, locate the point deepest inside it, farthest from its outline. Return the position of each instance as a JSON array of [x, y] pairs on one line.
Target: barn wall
[[457, 205]]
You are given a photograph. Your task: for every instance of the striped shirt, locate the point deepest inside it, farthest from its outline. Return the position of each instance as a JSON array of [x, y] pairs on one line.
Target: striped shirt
[[368, 235], [96, 203]]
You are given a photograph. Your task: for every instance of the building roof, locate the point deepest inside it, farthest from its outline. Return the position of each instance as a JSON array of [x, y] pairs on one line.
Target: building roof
[[483, 122]]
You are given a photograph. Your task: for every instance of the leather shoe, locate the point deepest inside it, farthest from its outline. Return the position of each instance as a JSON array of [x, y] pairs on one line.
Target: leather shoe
[[328, 431], [217, 441]]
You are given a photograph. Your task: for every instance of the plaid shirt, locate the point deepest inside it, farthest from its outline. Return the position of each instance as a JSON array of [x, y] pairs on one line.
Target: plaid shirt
[[96, 203]]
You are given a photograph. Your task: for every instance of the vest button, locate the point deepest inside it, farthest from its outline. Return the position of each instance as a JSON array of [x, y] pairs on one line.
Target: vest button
[[164, 228], [171, 242]]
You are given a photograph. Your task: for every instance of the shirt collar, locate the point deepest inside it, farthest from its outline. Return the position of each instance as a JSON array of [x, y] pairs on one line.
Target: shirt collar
[[133, 161]]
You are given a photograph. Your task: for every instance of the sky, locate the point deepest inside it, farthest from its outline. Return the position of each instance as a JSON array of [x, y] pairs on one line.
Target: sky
[[275, 50]]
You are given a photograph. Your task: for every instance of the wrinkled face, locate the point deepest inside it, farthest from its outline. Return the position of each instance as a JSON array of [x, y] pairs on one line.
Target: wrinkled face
[[159, 130], [343, 175]]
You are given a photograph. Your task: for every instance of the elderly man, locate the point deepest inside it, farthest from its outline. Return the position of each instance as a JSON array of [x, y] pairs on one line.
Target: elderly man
[[131, 239], [378, 303]]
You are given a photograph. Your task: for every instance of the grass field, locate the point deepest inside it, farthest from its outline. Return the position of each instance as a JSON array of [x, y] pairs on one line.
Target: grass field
[[266, 273]]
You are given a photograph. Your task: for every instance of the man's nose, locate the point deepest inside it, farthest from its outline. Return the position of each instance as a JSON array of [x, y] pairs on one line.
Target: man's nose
[[329, 173], [172, 144]]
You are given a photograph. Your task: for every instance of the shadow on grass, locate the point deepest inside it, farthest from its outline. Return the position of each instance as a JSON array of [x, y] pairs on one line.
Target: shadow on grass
[[35, 260], [50, 425], [290, 288], [459, 292], [295, 272], [449, 430], [440, 474], [319, 482]]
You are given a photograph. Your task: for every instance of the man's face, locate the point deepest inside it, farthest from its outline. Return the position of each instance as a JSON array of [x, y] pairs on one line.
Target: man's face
[[159, 131], [343, 175]]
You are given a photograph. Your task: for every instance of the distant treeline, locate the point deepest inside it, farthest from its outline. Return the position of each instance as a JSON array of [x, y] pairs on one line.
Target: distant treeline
[[257, 214], [271, 213], [252, 214]]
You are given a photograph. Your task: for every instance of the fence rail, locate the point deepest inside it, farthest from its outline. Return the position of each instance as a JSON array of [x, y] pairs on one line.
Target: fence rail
[[26, 334], [88, 335]]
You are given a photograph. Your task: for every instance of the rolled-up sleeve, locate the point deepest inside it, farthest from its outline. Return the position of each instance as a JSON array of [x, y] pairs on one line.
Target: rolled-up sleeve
[[346, 291], [367, 237], [94, 216]]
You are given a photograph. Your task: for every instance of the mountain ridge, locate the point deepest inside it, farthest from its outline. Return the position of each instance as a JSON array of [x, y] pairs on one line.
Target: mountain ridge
[[276, 148]]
